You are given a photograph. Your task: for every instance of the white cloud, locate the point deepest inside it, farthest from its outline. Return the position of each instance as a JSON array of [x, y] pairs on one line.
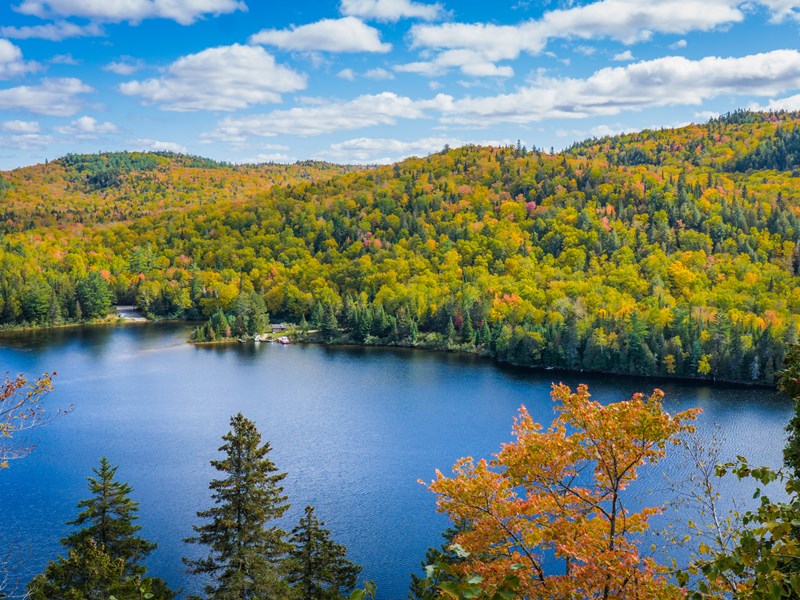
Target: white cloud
[[115, 11], [788, 103], [379, 74], [273, 157], [347, 34], [782, 9], [385, 151], [160, 146], [26, 141], [127, 65], [223, 78], [86, 128], [666, 81], [469, 62], [347, 74], [679, 44], [627, 21], [623, 56], [54, 97], [63, 59], [364, 111], [55, 32], [20, 126], [11, 62], [391, 10]]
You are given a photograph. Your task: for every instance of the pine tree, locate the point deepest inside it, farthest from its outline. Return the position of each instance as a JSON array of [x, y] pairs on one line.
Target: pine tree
[[245, 555], [104, 556], [318, 568]]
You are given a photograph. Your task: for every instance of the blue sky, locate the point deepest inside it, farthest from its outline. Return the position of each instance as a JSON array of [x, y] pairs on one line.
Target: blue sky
[[377, 80]]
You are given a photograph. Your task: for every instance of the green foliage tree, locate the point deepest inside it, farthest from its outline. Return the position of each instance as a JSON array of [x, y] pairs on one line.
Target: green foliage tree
[[245, 553], [108, 518], [94, 295], [317, 567], [789, 384], [103, 556]]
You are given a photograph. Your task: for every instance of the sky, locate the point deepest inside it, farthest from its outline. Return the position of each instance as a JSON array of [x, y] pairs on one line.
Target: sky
[[374, 81]]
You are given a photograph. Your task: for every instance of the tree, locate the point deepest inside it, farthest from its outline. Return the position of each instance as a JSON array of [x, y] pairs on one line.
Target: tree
[[763, 560], [446, 555], [318, 568], [789, 384], [94, 295], [103, 559], [560, 494], [21, 408], [108, 519], [244, 553]]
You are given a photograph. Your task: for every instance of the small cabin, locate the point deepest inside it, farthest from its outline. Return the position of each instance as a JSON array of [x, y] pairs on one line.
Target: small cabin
[[278, 327]]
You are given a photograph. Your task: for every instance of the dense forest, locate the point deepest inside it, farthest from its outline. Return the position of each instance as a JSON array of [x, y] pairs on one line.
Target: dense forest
[[672, 252]]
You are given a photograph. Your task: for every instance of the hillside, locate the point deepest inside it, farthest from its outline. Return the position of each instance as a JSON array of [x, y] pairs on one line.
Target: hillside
[[670, 252], [121, 186]]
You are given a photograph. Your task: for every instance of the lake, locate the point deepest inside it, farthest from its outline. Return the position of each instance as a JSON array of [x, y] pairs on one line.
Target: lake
[[355, 428]]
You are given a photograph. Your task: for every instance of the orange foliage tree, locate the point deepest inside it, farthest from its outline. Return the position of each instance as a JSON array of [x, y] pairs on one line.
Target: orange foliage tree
[[560, 493]]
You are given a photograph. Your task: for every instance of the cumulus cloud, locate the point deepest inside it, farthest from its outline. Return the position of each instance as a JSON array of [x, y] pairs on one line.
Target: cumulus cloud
[[11, 62], [627, 21], [347, 34], [668, 81], [347, 74], [391, 10], [679, 44], [115, 11], [788, 103], [160, 146], [782, 9], [665, 81], [374, 151], [87, 128], [55, 97], [127, 65], [379, 74], [55, 32], [223, 78], [470, 63], [623, 56], [16, 126], [374, 109], [26, 141]]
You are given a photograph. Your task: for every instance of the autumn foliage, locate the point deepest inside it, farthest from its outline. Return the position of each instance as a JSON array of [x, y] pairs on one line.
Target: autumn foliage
[[556, 497]]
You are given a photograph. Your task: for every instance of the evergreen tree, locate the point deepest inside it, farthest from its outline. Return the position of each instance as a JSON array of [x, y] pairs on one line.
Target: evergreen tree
[[789, 384], [245, 555], [104, 556], [318, 568], [108, 519]]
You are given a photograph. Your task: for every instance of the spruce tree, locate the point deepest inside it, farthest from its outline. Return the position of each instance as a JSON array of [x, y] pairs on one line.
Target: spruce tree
[[108, 519], [103, 558], [318, 568], [244, 553]]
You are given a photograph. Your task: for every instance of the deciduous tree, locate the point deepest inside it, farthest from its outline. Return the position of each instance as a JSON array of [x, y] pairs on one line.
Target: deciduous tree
[[557, 496]]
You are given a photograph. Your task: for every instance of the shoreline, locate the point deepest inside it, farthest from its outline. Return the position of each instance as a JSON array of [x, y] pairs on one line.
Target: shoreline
[[117, 321]]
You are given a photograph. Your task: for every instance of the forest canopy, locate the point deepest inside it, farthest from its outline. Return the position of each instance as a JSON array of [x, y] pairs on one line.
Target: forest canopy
[[671, 252]]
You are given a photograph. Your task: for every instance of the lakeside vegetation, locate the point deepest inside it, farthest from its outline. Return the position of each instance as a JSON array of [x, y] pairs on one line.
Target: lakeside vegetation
[[670, 253]]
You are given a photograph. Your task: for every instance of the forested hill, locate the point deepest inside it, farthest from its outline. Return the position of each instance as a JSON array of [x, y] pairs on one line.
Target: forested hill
[[120, 186], [669, 252]]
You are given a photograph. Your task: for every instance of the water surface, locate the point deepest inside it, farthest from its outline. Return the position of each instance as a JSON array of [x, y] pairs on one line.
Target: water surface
[[355, 428]]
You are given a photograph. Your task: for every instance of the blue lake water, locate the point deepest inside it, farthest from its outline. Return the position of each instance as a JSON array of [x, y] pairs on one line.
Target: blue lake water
[[355, 428]]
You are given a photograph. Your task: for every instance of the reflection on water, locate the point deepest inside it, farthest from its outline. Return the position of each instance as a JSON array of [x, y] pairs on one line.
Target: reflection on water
[[355, 428]]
